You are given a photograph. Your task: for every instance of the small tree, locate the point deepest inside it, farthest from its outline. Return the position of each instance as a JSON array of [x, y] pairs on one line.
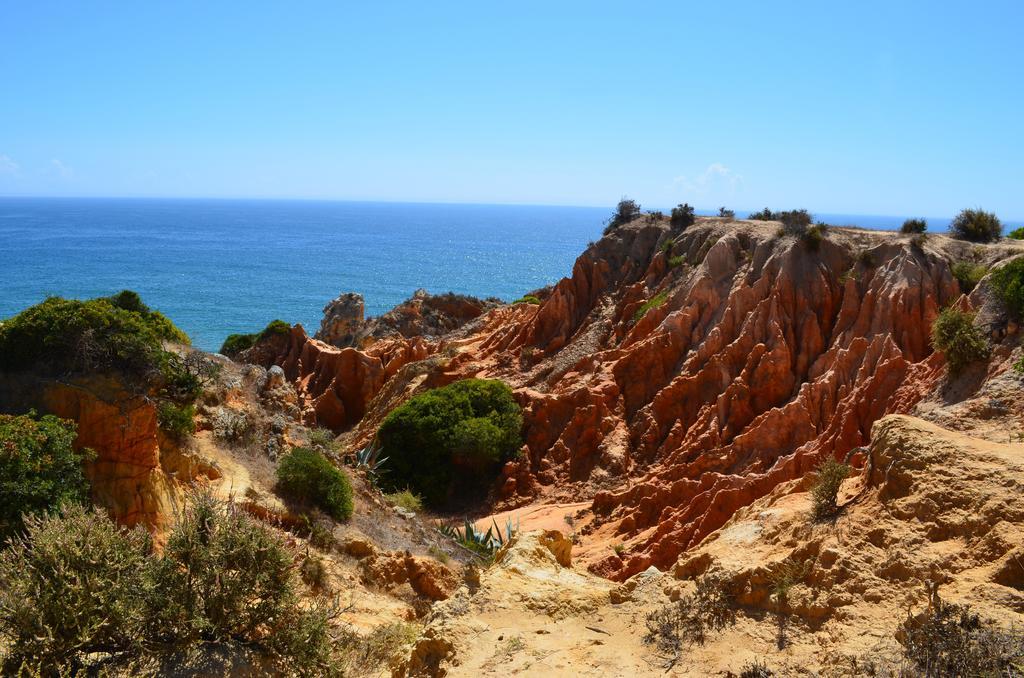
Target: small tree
[[728, 214], [682, 216], [764, 215], [976, 225], [795, 222], [830, 475], [914, 226], [954, 333], [626, 211]]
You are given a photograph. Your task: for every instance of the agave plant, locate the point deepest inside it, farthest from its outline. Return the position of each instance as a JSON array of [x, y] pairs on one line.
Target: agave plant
[[483, 543], [370, 462]]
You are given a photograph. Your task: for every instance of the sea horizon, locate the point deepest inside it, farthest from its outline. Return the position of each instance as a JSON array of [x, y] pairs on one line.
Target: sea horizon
[[217, 266]]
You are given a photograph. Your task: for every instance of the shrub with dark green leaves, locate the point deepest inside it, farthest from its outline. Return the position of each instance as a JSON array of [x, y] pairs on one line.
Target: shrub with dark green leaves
[[59, 336], [177, 421], [829, 476], [914, 226], [976, 225], [451, 441], [236, 343], [1008, 283], [39, 468], [764, 215], [795, 222], [954, 333], [626, 211], [78, 590], [682, 216], [1016, 234], [728, 214], [968, 274], [308, 477]]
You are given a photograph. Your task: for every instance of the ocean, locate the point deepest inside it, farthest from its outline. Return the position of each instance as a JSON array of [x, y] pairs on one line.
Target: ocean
[[216, 267]]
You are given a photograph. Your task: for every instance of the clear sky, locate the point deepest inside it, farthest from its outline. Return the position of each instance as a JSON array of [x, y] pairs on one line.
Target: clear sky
[[906, 108]]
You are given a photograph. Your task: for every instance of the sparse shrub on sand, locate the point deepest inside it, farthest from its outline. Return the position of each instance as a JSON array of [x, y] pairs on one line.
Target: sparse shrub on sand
[[690, 619], [954, 333], [682, 216], [626, 211], [914, 226], [829, 476], [976, 225]]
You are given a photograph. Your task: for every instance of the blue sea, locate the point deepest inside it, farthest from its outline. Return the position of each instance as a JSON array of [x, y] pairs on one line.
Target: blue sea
[[223, 266]]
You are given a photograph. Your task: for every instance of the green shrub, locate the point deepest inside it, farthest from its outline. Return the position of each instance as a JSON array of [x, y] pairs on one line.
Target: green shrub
[[676, 261], [1008, 283], [39, 468], [71, 587], [527, 299], [764, 215], [914, 226], [728, 214], [322, 439], [654, 302], [177, 421], [406, 499], [829, 476], [70, 336], [968, 274], [682, 216], [954, 333], [236, 343], [307, 476], [1017, 233], [626, 211], [795, 222], [451, 438], [976, 225], [814, 235], [78, 588]]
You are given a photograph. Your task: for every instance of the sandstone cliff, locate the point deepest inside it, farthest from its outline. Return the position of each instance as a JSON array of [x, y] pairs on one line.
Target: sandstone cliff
[[677, 376]]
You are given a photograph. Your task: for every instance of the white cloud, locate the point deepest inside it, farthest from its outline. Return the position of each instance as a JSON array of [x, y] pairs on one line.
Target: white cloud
[[7, 165], [716, 178], [64, 170]]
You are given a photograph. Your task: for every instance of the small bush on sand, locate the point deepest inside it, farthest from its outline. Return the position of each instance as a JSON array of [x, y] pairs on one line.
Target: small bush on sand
[[953, 640], [968, 274], [406, 499], [914, 226], [40, 469], [682, 216], [795, 222], [976, 225], [829, 476], [1008, 283], [690, 619], [954, 333], [306, 476], [764, 215]]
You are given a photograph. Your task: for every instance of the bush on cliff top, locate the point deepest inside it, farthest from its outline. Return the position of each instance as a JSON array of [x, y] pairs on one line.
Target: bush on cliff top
[[954, 333], [914, 226], [626, 211], [682, 216], [450, 441], [976, 225], [308, 477], [39, 468], [236, 343], [72, 336], [78, 592]]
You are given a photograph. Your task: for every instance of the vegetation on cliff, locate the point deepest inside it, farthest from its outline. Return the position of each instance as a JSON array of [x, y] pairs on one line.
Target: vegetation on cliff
[[451, 437], [39, 468], [976, 225], [236, 343], [955, 335], [1008, 282], [77, 591], [912, 226], [308, 477]]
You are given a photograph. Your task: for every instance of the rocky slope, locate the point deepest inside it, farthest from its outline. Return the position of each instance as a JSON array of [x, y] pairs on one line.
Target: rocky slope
[[678, 376]]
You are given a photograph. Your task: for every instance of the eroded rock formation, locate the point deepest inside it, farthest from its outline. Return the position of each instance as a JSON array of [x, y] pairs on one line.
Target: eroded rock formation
[[677, 376]]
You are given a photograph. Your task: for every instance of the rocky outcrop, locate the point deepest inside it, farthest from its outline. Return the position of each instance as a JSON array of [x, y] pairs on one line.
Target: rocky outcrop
[[423, 315], [678, 376]]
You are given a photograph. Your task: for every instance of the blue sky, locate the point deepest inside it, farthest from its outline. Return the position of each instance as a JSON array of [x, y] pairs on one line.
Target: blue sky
[[871, 108]]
